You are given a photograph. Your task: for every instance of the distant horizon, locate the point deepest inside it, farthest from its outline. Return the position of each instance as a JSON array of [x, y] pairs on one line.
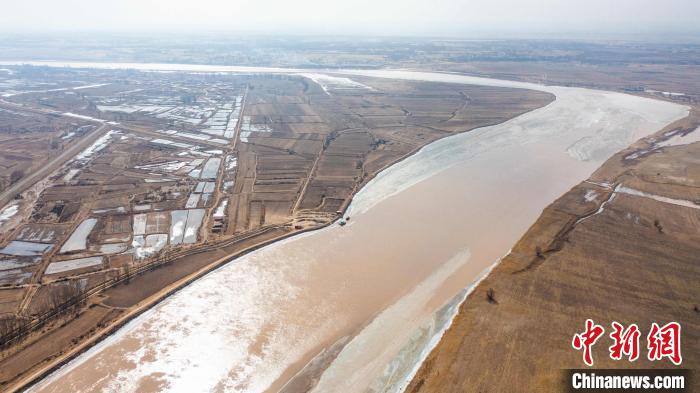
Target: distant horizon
[[669, 37], [447, 19]]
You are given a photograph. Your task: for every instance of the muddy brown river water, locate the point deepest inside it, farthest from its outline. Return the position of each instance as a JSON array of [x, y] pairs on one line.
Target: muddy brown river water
[[383, 287]]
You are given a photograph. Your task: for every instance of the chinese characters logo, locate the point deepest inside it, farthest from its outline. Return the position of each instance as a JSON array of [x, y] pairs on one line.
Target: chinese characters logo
[[662, 342]]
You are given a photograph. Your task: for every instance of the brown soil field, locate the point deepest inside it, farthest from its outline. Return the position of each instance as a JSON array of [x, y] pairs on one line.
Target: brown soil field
[[321, 147], [636, 261], [28, 142], [9, 299]]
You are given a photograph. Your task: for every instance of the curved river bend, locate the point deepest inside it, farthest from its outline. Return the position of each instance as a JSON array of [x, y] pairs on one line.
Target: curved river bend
[[357, 307]]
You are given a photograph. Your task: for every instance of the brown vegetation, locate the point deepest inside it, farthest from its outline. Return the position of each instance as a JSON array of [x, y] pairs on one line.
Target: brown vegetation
[[622, 264]]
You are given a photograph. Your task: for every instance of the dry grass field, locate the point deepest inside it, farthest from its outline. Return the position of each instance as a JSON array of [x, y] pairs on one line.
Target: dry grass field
[[633, 261], [28, 141], [312, 149]]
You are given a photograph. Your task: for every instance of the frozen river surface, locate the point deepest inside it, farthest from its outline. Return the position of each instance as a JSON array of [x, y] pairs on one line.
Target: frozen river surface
[[355, 308]]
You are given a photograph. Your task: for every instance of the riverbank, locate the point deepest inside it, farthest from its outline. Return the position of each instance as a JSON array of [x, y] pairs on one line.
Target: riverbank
[[594, 253], [139, 291]]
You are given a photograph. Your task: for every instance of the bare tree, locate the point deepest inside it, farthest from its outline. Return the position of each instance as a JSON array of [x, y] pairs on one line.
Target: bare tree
[[8, 324], [491, 296], [68, 296], [658, 226], [538, 252], [127, 272], [11, 325]]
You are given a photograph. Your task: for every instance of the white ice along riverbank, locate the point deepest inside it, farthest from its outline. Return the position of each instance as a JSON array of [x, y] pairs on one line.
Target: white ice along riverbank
[[250, 323]]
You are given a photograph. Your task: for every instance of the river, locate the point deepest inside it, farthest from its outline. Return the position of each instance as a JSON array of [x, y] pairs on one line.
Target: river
[[357, 307]]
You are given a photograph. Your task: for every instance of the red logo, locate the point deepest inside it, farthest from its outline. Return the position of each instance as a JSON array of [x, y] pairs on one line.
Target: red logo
[[586, 339], [665, 342], [626, 341], [662, 342]]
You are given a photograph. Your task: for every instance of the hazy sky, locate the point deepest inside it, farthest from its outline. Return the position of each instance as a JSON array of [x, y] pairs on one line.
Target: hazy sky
[[369, 17]]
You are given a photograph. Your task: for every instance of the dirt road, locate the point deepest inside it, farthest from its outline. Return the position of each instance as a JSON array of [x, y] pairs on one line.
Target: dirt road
[[28, 181]]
